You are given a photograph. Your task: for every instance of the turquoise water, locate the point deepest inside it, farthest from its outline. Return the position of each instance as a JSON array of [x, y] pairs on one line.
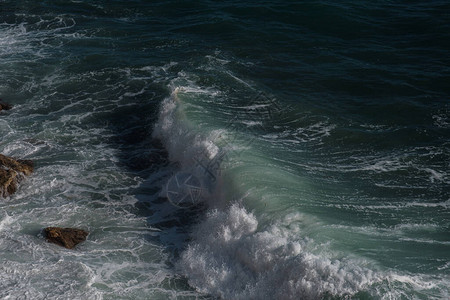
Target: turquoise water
[[238, 150]]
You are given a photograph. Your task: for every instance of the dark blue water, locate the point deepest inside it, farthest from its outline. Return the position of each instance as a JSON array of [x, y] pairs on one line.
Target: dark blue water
[[236, 150]]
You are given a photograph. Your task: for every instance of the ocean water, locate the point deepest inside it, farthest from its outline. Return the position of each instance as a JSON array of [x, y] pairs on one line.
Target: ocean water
[[235, 150]]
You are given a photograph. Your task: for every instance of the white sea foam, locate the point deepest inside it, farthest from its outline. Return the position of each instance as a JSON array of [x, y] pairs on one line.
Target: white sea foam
[[18, 39], [233, 258], [183, 143], [5, 221], [24, 281], [397, 231], [435, 175], [78, 180], [238, 254], [233, 255], [426, 287], [394, 206], [442, 120]]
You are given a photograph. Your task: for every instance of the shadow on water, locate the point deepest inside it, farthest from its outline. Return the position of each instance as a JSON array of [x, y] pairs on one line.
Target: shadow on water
[[145, 157]]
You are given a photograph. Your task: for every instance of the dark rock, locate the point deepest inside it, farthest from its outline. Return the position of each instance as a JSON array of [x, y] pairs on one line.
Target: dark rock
[[11, 173], [20, 165], [8, 182], [4, 105], [26, 166], [65, 237]]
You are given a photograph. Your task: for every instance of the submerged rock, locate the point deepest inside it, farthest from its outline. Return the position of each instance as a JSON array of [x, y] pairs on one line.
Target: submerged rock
[[4, 105], [11, 173], [65, 237]]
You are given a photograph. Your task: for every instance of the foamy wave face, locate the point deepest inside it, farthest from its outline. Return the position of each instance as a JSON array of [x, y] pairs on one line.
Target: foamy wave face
[[181, 141], [232, 258], [191, 150], [232, 255], [238, 253]]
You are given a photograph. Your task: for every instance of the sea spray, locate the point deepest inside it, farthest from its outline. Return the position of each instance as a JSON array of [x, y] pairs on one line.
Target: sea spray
[[196, 178], [359, 160], [232, 257], [231, 254]]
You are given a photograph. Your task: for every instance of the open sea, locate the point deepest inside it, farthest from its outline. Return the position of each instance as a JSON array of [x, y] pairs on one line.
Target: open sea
[[227, 149]]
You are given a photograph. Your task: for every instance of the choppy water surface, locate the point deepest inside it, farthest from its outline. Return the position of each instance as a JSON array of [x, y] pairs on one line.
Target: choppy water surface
[[313, 138]]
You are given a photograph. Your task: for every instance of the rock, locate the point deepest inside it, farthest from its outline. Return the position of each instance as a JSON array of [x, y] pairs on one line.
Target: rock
[[65, 237], [4, 105], [26, 166], [11, 173], [20, 165], [8, 182]]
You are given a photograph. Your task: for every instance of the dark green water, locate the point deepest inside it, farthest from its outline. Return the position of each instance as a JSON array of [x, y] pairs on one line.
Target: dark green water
[[236, 150]]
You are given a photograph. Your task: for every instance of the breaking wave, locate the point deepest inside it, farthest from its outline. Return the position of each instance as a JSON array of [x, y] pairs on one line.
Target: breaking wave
[[237, 254]]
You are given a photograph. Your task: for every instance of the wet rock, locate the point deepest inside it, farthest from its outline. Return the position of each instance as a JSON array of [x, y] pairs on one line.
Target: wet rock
[[11, 173], [24, 166], [4, 105], [65, 237], [8, 182]]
